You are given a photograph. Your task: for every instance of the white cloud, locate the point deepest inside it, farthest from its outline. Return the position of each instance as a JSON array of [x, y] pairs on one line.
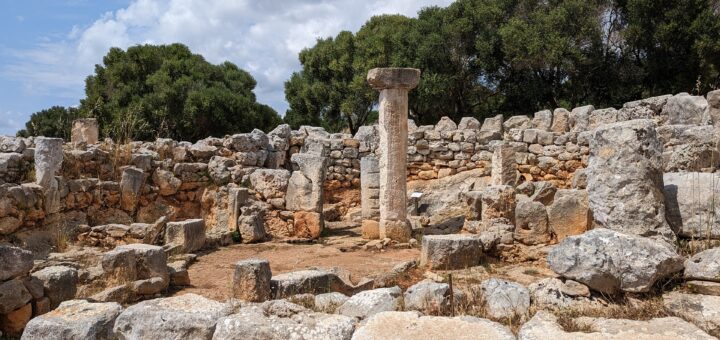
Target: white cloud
[[9, 122], [263, 37]]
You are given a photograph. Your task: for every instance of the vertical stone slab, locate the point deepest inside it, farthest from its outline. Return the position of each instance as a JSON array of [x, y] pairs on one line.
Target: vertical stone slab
[[236, 199], [504, 166], [48, 161], [370, 196], [305, 194], [394, 85], [251, 280], [131, 184], [625, 179], [85, 131]]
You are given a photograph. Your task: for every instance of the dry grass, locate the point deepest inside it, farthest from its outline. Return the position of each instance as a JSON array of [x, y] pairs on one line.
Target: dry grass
[[645, 308]]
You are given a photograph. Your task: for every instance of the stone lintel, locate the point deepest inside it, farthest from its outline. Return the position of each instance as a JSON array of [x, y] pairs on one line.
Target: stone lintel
[[393, 78]]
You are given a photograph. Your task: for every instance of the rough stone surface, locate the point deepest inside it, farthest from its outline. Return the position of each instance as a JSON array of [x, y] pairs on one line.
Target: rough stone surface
[[131, 183], [498, 201], [329, 302], [186, 316], [412, 326], [685, 109], [429, 297], [393, 78], [569, 213], [455, 251], [14, 262], [370, 302], [504, 167], [85, 131], [270, 183], [13, 295], [701, 310], [544, 325], [59, 282], [48, 160], [704, 287], [690, 207], [188, 234], [713, 114], [704, 265], [505, 299], [608, 261], [269, 322], [552, 293], [251, 281], [531, 222], [75, 320], [625, 179]]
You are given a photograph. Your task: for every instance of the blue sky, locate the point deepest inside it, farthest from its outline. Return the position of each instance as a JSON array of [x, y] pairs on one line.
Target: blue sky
[[47, 48]]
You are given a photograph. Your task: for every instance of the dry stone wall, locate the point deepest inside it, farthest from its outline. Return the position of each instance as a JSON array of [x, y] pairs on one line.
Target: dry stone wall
[[140, 182]]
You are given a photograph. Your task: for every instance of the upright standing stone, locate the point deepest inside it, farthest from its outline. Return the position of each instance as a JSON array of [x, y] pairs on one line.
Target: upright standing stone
[[251, 281], [305, 194], [48, 161], [85, 130], [713, 110], [370, 196], [625, 179], [131, 184], [394, 85], [504, 166]]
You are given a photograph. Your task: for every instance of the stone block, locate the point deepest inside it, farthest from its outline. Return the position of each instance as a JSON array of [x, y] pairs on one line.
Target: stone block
[[251, 280], [188, 234], [448, 252]]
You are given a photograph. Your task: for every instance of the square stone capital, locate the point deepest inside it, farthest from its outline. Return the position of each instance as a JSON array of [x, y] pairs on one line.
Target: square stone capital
[[393, 78]]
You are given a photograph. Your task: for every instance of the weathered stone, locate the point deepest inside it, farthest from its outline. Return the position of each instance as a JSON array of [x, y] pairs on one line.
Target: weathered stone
[[131, 185], [166, 181], [446, 124], [498, 201], [12, 323], [270, 183], [188, 234], [579, 118], [370, 302], [304, 192], [531, 222], [560, 121], [608, 261], [85, 131], [219, 169], [554, 294], [542, 120], [625, 180], [411, 326], [270, 322], [13, 295], [430, 297], [60, 283], [14, 262], [393, 78], [251, 281], [690, 208], [579, 180], [308, 224], [455, 251], [504, 167], [544, 193], [544, 325], [187, 316], [701, 310], [48, 160], [505, 299], [469, 123], [569, 214], [683, 108], [602, 117], [75, 320], [704, 287], [517, 122], [713, 111], [704, 265], [329, 302]]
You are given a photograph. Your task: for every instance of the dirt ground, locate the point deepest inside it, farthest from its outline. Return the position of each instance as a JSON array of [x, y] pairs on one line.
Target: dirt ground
[[211, 275]]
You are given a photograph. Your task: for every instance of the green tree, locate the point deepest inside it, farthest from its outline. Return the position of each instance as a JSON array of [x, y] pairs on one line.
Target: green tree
[[171, 92], [53, 122]]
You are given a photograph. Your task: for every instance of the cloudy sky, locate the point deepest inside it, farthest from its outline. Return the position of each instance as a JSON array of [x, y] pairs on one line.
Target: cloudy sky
[[48, 47]]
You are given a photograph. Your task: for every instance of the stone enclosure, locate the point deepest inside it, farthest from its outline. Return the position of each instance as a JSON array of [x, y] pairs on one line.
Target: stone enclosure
[[98, 239]]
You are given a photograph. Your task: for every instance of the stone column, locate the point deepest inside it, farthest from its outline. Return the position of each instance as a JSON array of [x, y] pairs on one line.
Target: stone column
[[48, 161], [394, 85], [504, 166], [85, 130], [369, 196]]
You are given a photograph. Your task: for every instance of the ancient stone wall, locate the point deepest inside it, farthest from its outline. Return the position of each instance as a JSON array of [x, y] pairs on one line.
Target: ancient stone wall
[[105, 183]]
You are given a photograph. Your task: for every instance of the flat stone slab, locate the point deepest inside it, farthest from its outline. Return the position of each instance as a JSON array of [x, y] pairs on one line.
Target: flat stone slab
[[455, 251], [412, 326], [702, 310], [74, 319]]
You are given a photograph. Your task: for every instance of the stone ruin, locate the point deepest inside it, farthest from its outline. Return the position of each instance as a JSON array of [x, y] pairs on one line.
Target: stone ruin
[[98, 239]]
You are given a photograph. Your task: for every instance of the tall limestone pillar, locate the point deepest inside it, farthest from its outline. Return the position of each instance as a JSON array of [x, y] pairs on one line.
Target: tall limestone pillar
[[394, 85]]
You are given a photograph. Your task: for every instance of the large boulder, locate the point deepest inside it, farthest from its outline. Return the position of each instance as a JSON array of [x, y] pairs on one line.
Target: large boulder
[[186, 316], [609, 261], [454, 251], [545, 325], [287, 321], [270, 183], [371, 302], [690, 208], [702, 310], [14, 262], [531, 222], [430, 297], [59, 283], [704, 265], [75, 320], [625, 179], [411, 326], [13, 295], [569, 213], [504, 299], [683, 108]]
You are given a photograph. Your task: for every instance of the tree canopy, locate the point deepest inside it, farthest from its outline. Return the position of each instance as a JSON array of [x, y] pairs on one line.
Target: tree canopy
[[484, 57], [151, 91]]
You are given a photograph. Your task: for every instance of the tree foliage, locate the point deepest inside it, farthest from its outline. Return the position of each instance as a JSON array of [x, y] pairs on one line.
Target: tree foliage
[[53, 122], [151, 91], [484, 57]]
